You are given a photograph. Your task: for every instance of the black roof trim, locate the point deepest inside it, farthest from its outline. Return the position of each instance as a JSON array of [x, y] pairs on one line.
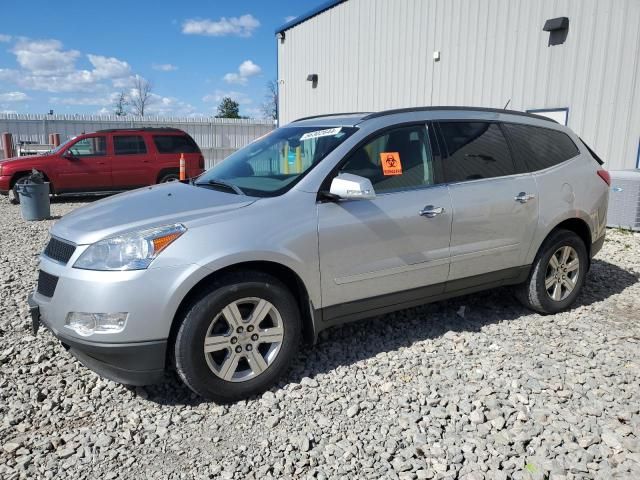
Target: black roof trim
[[343, 114], [473, 109], [140, 129], [310, 14]]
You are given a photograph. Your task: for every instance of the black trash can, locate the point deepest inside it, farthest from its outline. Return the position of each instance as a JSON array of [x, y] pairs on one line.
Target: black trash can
[[34, 200]]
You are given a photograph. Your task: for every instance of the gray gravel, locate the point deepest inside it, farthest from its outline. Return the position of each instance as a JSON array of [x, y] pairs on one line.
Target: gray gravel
[[489, 391]]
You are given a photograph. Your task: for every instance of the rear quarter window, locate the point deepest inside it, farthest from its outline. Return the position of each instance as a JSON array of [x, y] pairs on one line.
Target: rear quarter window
[[540, 147], [175, 144]]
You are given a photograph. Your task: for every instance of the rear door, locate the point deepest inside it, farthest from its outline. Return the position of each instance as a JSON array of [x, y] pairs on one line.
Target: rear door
[[389, 250], [132, 161], [495, 206], [87, 167]]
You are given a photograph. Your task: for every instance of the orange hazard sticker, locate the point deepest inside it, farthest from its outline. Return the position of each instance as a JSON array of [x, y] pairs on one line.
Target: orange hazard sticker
[[391, 164]]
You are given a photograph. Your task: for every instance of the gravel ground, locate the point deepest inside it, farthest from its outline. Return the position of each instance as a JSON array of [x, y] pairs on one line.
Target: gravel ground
[[474, 388]]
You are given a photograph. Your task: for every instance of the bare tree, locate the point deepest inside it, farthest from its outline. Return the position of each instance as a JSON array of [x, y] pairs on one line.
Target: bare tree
[[120, 105], [140, 95], [270, 106]]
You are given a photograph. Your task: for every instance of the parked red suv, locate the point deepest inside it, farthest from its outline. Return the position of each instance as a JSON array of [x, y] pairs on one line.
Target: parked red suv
[[108, 161]]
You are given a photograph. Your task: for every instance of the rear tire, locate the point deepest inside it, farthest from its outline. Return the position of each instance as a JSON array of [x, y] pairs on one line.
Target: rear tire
[[169, 177], [238, 338], [14, 198], [557, 274]]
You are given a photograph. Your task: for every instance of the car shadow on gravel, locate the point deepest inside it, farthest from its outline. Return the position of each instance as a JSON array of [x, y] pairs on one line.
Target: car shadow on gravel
[[353, 342]]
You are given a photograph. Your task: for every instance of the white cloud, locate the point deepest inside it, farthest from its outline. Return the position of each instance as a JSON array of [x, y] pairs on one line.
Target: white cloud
[[239, 26], [245, 70], [5, 38], [217, 96], [45, 57], [84, 101], [46, 66], [289, 18], [13, 97], [164, 67], [248, 69], [108, 67], [161, 105]]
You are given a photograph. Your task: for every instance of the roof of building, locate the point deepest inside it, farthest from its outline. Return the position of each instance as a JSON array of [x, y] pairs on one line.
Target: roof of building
[[310, 14]]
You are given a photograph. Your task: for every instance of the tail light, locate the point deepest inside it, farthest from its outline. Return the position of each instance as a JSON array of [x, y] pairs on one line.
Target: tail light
[[201, 162], [604, 175]]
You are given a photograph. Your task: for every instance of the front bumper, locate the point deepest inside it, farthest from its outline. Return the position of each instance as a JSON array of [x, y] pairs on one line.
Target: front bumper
[[140, 363], [5, 182]]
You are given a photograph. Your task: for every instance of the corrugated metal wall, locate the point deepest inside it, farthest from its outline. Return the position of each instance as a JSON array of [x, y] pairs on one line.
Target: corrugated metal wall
[[377, 54], [216, 137]]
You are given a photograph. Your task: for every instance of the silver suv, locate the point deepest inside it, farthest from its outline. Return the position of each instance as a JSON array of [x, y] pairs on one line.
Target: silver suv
[[326, 220]]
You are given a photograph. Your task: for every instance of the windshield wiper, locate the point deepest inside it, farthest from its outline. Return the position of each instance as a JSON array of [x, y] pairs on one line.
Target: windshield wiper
[[225, 185]]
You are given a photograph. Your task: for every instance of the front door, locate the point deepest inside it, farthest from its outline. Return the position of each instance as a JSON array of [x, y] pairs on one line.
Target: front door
[[87, 167], [393, 249], [495, 209]]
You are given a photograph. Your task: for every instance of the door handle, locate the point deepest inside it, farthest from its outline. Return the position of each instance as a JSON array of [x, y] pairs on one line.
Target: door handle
[[524, 197], [430, 211]]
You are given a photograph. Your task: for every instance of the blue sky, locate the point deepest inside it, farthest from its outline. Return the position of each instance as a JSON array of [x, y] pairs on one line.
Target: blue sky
[[75, 56]]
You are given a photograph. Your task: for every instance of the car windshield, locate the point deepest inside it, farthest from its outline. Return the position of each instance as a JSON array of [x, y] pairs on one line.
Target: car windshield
[[272, 164]]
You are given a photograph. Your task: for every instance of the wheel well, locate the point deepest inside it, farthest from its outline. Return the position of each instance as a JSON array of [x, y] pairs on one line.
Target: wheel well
[[166, 171], [24, 173], [287, 276], [580, 228]]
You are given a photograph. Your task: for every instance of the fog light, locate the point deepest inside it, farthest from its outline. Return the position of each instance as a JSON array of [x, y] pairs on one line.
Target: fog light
[[86, 324]]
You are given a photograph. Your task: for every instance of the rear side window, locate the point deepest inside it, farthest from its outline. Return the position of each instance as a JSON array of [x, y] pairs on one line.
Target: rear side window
[[129, 145], [540, 147], [175, 144], [475, 150]]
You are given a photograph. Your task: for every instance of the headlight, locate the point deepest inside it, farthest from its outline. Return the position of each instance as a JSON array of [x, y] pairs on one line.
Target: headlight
[[132, 251]]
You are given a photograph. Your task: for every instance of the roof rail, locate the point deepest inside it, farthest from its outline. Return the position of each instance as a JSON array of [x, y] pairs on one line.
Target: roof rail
[[331, 115], [140, 129], [474, 109]]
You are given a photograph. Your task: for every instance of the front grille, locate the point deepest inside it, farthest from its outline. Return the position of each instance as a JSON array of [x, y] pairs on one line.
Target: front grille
[[59, 251], [47, 284]]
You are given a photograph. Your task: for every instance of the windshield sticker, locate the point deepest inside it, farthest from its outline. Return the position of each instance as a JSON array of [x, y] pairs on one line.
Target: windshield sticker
[[329, 132], [391, 164]]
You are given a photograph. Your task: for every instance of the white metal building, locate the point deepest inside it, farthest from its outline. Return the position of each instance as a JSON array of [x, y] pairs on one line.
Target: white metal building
[[370, 55]]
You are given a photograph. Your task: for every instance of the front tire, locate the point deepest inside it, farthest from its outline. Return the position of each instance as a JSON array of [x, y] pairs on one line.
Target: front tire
[[14, 198], [238, 338], [557, 275]]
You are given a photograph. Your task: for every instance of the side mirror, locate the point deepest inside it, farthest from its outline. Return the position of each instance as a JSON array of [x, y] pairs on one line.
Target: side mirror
[[347, 186], [68, 155]]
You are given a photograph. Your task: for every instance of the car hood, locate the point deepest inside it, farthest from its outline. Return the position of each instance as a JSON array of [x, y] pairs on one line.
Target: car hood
[[147, 207], [29, 159]]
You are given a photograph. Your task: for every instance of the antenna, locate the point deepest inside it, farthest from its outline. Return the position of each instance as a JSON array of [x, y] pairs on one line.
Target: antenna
[[506, 104]]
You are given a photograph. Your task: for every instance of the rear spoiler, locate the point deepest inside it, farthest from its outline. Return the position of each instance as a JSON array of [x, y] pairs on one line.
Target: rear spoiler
[[593, 154]]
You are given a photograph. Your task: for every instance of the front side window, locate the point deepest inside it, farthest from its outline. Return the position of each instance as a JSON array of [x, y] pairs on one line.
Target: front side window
[[129, 145], [540, 147], [399, 159], [272, 164], [475, 150], [89, 147]]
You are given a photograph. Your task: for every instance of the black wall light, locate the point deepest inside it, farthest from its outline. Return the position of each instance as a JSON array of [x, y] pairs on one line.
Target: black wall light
[[558, 29], [313, 78]]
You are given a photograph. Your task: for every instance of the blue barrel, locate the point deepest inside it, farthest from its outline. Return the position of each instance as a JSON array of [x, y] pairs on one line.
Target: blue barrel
[[34, 200]]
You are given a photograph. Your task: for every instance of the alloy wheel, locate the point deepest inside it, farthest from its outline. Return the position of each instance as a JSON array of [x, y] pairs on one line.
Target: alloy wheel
[[244, 339], [562, 273]]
